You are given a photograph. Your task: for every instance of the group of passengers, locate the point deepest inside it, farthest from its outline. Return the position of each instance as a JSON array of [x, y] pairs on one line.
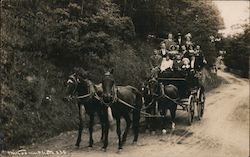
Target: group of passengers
[[176, 55]]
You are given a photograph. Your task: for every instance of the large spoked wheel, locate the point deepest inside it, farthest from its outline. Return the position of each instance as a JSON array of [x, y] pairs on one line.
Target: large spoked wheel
[[190, 110], [201, 105]]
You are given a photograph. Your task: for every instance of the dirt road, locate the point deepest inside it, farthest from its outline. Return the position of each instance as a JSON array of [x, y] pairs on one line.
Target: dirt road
[[223, 131]]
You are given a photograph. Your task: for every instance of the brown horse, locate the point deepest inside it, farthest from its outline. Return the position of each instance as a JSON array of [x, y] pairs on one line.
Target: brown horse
[[166, 97], [119, 99]]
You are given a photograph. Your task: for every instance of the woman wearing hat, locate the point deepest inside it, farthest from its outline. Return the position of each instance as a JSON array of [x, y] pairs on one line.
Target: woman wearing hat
[[189, 44]]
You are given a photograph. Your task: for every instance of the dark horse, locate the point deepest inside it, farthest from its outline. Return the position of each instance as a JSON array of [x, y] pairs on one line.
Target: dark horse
[[150, 102], [119, 99], [85, 91], [166, 98]]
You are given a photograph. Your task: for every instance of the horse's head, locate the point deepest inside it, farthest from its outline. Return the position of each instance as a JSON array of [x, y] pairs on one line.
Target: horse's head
[[108, 85], [71, 85], [76, 85], [153, 86]]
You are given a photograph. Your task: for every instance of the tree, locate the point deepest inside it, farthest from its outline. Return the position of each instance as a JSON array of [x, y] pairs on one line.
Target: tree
[[238, 48]]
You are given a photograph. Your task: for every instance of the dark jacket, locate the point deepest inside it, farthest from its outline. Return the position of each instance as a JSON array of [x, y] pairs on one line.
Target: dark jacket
[[177, 64], [155, 61]]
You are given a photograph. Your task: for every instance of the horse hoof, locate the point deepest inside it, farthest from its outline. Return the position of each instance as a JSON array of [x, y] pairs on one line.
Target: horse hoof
[[147, 131], [104, 149], [77, 146], [164, 131]]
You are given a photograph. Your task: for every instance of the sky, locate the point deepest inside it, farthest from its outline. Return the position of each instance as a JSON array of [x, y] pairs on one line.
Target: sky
[[233, 12]]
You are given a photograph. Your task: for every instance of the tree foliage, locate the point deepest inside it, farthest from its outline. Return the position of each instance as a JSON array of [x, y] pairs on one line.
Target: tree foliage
[[238, 49]]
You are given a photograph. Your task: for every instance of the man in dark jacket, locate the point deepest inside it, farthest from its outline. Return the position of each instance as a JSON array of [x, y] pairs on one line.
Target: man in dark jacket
[[185, 52], [154, 63], [198, 60], [178, 63], [179, 40]]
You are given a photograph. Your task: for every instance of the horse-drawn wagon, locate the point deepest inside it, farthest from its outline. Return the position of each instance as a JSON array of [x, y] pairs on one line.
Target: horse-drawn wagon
[[168, 92]]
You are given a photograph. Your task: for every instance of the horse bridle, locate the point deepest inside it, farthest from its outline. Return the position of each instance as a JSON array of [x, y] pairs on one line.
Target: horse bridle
[[149, 91], [108, 104], [75, 81]]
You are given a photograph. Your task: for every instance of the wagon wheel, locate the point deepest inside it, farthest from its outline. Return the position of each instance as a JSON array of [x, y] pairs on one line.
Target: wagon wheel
[[190, 110], [200, 105]]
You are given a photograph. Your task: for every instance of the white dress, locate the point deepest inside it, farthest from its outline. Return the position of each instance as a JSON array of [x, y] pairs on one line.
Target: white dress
[[166, 64]]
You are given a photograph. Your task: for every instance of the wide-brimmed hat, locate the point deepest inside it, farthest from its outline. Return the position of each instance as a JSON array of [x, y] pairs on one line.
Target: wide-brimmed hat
[[188, 35], [186, 60]]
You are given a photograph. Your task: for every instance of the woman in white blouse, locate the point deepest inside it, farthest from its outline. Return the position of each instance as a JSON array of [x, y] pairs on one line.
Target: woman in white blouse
[[166, 63]]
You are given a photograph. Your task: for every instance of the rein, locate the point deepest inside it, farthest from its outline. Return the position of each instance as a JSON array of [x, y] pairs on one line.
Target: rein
[[132, 107], [84, 96], [149, 104]]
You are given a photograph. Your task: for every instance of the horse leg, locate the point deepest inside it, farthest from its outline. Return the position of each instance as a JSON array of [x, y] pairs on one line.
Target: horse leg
[[153, 121], [106, 131], [136, 120], [118, 131], [128, 123], [164, 119], [148, 127], [91, 123], [80, 126], [102, 125], [173, 112]]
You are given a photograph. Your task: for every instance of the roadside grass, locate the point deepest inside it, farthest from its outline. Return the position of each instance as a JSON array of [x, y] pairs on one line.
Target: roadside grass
[[213, 81]]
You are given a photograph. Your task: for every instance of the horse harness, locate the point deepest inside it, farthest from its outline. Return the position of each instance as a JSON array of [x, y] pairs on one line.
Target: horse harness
[[76, 81]]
